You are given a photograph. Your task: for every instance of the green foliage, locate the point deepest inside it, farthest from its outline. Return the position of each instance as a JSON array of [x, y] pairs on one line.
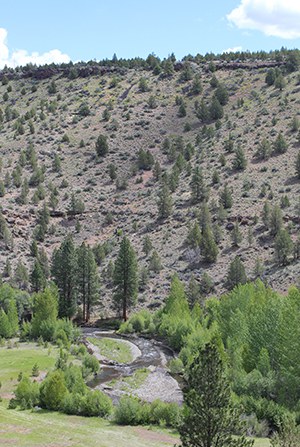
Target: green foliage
[[64, 270], [165, 203], [276, 220], [45, 311], [132, 411], [145, 160], [198, 188], [176, 321], [209, 417], [87, 279], [90, 365], [236, 273], [280, 145], [283, 246], [27, 393], [226, 197], [125, 277], [101, 146], [239, 162], [209, 248], [53, 391]]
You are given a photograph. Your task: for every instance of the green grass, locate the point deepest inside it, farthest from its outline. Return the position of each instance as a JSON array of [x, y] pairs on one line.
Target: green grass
[[136, 380], [113, 349], [45, 429], [48, 429], [21, 359], [262, 442]]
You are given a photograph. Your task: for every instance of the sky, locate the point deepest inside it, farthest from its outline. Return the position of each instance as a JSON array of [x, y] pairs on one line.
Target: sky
[[45, 31]]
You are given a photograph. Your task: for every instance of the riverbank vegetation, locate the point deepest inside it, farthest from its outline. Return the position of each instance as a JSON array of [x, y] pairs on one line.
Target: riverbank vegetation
[[113, 350], [258, 335]]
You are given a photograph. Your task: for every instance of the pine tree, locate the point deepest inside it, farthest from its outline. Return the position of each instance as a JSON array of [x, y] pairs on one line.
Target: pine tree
[[280, 145], [125, 277], [239, 162], [194, 236], [21, 278], [37, 277], [64, 268], [236, 274], [156, 171], [198, 187], [164, 202], [209, 248], [297, 165], [226, 197], [155, 262], [147, 245], [193, 291], [202, 111], [216, 111], [87, 279], [266, 214], [204, 217], [209, 419], [283, 246], [101, 146], [236, 235], [276, 220], [264, 150]]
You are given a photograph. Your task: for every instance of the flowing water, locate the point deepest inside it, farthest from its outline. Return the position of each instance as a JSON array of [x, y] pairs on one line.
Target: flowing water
[[152, 354]]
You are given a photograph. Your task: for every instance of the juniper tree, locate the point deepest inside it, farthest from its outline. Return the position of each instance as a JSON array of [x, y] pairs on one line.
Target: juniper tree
[[164, 202], [236, 273], [209, 248], [209, 418], [198, 188], [226, 197], [283, 246], [147, 245], [239, 162], [125, 277], [101, 146], [194, 236], [276, 220], [280, 145], [236, 235]]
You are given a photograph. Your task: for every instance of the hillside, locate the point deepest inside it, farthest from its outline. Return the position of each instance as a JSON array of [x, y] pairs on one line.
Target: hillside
[[50, 124]]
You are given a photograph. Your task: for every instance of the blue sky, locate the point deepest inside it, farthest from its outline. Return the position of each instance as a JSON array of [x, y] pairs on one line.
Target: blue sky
[[59, 30]]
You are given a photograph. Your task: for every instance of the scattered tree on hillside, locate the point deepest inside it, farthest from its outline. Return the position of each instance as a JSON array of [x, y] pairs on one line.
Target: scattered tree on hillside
[[283, 246], [199, 189], [164, 202], [236, 274], [101, 146]]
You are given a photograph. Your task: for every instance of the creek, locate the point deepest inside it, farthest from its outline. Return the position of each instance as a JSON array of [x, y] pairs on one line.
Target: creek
[[151, 354]]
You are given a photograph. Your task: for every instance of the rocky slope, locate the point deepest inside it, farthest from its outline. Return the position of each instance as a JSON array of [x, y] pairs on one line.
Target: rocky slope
[[50, 126]]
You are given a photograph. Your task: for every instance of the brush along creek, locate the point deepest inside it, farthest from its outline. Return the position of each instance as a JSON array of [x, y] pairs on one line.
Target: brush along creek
[[132, 365]]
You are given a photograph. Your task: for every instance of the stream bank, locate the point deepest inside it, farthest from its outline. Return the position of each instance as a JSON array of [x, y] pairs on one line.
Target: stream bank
[[149, 357]]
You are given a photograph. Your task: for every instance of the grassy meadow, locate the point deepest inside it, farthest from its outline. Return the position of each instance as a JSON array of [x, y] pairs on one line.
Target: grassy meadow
[[40, 428]]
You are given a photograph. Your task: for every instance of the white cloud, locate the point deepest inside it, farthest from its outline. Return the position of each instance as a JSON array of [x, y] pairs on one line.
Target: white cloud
[[22, 57], [233, 49], [279, 18]]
